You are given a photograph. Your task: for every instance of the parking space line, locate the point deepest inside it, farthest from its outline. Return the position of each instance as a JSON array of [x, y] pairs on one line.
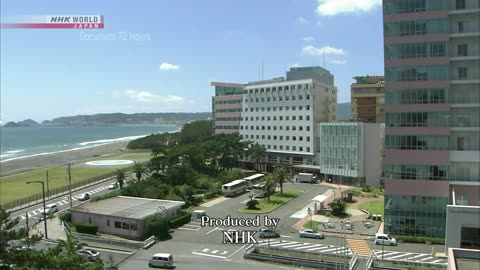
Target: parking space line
[[420, 255], [318, 248], [280, 244], [212, 230], [428, 258], [209, 255], [237, 250]]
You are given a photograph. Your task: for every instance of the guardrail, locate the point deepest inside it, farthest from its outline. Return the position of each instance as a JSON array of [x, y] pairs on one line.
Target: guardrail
[[353, 261], [369, 262], [120, 242], [149, 242]]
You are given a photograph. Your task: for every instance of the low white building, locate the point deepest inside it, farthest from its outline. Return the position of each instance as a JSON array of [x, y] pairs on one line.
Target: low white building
[[350, 152]]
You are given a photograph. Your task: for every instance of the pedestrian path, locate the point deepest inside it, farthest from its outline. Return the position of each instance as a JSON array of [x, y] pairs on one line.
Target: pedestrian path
[[360, 247], [214, 202]]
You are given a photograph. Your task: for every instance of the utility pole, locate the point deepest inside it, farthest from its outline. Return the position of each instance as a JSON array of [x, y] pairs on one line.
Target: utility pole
[[44, 214], [48, 190], [26, 217]]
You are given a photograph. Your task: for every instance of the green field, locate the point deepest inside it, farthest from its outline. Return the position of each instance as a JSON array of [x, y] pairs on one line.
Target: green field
[[276, 200], [374, 207], [14, 187]]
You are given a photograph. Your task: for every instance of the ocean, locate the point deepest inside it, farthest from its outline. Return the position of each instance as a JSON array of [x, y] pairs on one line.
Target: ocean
[[17, 143]]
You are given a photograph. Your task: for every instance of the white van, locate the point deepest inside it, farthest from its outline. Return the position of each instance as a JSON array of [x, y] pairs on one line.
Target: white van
[[164, 260], [383, 239]]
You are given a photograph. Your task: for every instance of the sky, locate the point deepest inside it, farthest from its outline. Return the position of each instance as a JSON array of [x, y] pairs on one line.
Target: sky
[[162, 54]]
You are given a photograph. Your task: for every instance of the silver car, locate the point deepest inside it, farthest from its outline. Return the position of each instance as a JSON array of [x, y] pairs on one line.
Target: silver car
[[89, 254], [311, 234]]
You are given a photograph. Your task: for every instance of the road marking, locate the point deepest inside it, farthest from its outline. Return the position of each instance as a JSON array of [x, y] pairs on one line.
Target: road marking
[[224, 252], [209, 255], [399, 256], [115, 251], [215, 251], [205, 249], [328, 250], [294, 245], [420, 255], [318, 248], [280, 244], [437, 261], [239, 250], [60, 203], [213, 230], [22, 217], [308, 246], [187, 229], [65, 201], [286, 236], [429, 258]]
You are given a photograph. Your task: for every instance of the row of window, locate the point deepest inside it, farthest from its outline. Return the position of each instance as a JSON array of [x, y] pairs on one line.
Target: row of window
[[410, 6], [342, 151], [417, 119], [275, 137], [280, 118], [228, 110], [417, 73], [227, 127], [341, 130], [422, 50], [228, 118], [287, 148], [123, 225], [417, 96], [233, 101], [280, 108], [412, 172], [280, 88], [280, 98], [416, 142]]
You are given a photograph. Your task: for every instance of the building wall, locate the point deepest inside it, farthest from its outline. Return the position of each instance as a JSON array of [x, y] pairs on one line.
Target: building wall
[[107, 224], [373, 153], [458, 217], [367, 99], [432, 79], [227, 107]]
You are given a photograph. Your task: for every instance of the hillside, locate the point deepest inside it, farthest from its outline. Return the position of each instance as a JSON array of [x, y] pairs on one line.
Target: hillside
[[344, 111]]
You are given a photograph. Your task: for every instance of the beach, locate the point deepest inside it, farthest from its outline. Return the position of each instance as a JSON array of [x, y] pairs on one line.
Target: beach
[[35, 162]]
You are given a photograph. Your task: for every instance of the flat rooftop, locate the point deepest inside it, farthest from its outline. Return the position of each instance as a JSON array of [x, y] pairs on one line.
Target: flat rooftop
[[127, 207]]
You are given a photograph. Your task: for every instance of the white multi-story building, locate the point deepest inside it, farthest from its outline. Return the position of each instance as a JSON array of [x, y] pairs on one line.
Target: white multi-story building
[[280, 114]]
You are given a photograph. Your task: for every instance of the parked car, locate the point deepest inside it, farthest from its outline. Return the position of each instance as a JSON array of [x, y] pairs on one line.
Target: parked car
[[89, 254], [49, 209], [311, 234], [83, 197], [384, 239], [113, 185], [268, 233]]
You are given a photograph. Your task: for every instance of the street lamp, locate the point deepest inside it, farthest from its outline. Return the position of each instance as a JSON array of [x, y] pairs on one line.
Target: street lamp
[[310, 212], [44, 207]]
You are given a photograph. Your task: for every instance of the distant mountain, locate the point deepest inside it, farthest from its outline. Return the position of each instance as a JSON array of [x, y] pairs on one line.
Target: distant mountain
[[344, 111], [24, 123], [118, 119]]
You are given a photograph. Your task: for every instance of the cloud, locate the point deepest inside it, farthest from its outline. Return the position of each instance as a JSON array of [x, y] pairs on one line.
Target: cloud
[[338, 62], [308, 39], [295, 65], [334, 7], [144, 96], [167, 66], [311, 50], [302, 20]]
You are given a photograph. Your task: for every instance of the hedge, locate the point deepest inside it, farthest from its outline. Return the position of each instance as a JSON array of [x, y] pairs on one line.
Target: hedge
[[180, 220], [419, 239], [65, 217], [86, 228]]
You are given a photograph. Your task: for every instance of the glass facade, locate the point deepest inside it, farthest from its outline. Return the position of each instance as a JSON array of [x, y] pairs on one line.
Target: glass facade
[[416, 73], [417, 119], [416, 50], [417, 27], [413, 172], [416, 142], [417, 96], [415, 215], [411, 6]]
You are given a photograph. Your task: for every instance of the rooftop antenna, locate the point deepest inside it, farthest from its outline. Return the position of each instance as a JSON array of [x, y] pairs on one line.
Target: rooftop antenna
[[262, 69]]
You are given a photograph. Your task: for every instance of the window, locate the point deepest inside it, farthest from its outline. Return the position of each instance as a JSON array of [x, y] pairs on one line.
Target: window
[[460, 27], [125, 226], [460, 4], [462, 73], [308, 107], [438, 49], [308, 97], [294, 118], [293, 108], [462, 50], [118, 224], [300, 117], [133, 227], [108, 223]]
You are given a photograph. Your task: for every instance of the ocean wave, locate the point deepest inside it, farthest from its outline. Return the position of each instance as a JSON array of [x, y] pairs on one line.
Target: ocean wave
[[107, 141], [6, 155], [12, 152]]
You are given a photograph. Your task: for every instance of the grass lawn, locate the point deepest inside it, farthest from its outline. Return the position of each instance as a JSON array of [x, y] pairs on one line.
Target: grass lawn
[[14, 186], [276, 200], [374, 207], [311, 224]]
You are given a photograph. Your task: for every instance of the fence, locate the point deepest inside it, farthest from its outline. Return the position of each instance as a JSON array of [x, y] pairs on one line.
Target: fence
[[369, 262], [111, 241], [353, 261], [56, 191]]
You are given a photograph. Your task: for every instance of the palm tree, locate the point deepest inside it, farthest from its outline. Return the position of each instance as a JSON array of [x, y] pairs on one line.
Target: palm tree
[[280, 174], [270, 185], [257, 153], [139, 170], [120, 175], [71, 245]]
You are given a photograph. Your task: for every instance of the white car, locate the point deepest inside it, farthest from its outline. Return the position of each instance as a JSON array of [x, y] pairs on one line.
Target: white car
[[49, 209], [311, 234], [89, 254], [384, 239], [83, 197], [113, 185]]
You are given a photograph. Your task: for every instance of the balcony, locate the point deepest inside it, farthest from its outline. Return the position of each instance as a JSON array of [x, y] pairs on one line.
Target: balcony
[[470, 78], [464, 101]]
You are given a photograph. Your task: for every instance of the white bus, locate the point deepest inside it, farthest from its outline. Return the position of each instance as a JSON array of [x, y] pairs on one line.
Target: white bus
[[254, 179], [259, 191], [234, 187]]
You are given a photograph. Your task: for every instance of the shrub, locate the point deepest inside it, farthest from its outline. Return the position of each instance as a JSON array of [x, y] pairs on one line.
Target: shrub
[[419, 239], [86, 228], [338, 208], [182, 219], [108, 195], [65, 217], [356, 192], [253, 204], [367, 188], [210, 195], [158, 227]]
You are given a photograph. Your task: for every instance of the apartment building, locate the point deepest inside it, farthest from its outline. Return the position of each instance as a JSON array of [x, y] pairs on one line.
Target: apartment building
[[432, 102], [367, 99], [226, 107]]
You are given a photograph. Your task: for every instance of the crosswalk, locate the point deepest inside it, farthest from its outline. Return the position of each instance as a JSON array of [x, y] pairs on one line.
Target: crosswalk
[[62, 201], [409, 256], [306, 247], [360, 247], [192, 226], [222, 252]]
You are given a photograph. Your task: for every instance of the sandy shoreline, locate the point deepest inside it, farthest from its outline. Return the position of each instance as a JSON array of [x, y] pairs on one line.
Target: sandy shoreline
[[31, 163]]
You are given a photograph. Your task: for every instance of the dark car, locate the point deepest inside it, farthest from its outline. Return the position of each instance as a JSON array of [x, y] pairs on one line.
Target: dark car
[[268, 233]]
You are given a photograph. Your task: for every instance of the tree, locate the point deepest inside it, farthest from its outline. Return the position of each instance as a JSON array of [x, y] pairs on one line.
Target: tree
[[158, 227], [195, 131], [257, 153], [338, 208], [270, 185], [139, 170], [120, 175], [253, 204], [280, 174], [70, 245]]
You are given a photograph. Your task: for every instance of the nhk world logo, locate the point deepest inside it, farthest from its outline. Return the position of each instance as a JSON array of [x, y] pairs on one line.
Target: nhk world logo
[[57, 21]]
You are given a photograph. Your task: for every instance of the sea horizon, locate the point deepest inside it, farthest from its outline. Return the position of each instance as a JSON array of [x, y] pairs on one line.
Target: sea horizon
[[24, 142]]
